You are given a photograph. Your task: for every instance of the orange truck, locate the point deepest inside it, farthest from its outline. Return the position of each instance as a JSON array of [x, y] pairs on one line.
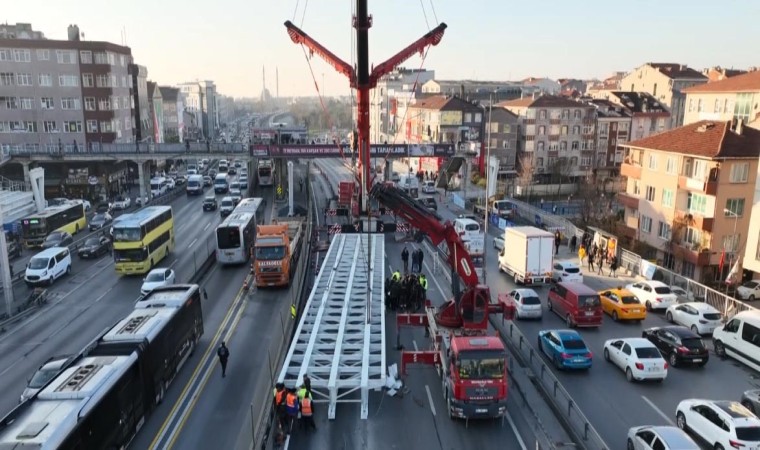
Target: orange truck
[[277, 249]]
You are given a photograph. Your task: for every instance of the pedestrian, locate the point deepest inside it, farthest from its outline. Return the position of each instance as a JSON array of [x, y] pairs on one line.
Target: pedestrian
[[423, 289], [613, 266], [573, 243], [300, 183], [581, 254], [223, 353], [600, 261], [291, 409], [557, 241], [415, 260], [405, 259], [591, 256], [307, 412], [307, 382]]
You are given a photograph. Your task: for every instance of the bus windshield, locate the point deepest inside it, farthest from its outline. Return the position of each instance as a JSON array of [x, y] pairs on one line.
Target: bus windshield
[[270, 253], [228, 238], [134, 254], [33, 227], [127, 234], [481, 365]]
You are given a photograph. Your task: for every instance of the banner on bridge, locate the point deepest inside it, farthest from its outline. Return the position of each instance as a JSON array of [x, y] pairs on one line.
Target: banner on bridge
[[332, 151]]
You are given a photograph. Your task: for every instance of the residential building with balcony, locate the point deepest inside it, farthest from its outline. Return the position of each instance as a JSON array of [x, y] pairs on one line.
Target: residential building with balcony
[[400, 86], [735, 97], [687, 190], [648, 115], [613, 125], [665, 82], [553, 129]]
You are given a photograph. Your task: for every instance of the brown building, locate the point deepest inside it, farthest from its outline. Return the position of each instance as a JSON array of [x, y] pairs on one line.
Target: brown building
[[613, 126], [688, 189]]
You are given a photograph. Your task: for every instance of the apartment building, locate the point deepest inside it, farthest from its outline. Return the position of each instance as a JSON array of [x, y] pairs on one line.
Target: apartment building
[[735, 97], [143, 126], [483, 92], [57, 94], [612, 131], [399, 86], [666, 82], [172, 113], [648, 115], [554, 129], [501, 135], [688, 189], [200, 100], [156, 111]]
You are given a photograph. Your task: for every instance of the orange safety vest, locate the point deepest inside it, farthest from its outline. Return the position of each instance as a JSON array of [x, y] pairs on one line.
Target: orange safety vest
[[290, 400], [306, 407], [278, 397]]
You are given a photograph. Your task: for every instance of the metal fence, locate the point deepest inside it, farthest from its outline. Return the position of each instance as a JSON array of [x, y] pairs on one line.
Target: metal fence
[[96, 148], [202, 251]]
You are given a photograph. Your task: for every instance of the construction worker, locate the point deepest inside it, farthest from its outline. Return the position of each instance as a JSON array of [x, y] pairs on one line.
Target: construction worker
[[278, 391], [405, 259], [307, 410], [395, 296], [396, 276], [291, 409]]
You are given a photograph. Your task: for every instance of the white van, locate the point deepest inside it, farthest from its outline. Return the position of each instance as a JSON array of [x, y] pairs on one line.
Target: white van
[[740, 339], [159, 186], [473, 237], [221, 186], [48, 265]]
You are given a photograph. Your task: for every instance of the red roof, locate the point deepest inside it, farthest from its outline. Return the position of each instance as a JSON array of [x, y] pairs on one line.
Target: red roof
[[443, 102], [544, 101], [706, 138], [747, 82], [673, 70]]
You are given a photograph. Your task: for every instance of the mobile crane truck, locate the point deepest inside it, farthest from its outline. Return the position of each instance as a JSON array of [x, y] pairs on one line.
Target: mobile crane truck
[[471, 363], [277, 249]]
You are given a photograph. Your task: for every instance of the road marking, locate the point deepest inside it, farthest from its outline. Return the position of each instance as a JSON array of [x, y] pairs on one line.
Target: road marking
[[430, 399], [206, 227], [517, 433], [658, 411], [193, 243], [416, 349]]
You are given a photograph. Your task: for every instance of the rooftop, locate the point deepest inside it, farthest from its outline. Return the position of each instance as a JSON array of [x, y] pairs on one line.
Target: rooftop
[[707, 139], [169, 93], [606, 109], [638, 102], [747, 82], [544, 101], [676, 71], [444, 102]]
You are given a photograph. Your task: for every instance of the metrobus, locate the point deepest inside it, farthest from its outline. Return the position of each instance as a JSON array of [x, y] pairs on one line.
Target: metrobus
[[236, 236], [106, 392], [266, 172], [69, 218], [142, 239]]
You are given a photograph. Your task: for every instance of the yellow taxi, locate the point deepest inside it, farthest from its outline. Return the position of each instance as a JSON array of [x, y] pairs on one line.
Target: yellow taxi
[[622, 304]]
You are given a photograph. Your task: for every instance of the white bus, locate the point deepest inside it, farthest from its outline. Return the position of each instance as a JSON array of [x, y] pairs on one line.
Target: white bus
[[236, 236], [159, 186]]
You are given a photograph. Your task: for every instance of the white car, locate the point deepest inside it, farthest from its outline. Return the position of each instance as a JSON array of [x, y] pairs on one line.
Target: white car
[[122, 203], [428, 187], [170, 183], [45, 373], [749, 290], [637, 357], [161, 276], [498, 243], [659, 438], [700, 317], [682, 295], [723, 424], [567, 272], [527, 304], [654, 294]]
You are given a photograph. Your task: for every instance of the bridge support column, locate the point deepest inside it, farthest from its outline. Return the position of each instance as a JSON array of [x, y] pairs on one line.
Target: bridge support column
[[142, 179], [27, 180], [290, 189]]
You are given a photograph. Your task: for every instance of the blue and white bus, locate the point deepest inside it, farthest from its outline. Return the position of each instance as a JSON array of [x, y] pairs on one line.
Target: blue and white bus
[[236, 236]]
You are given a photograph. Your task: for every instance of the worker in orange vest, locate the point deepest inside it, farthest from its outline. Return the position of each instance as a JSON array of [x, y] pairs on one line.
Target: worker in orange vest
[[291, 408], [307, 408]]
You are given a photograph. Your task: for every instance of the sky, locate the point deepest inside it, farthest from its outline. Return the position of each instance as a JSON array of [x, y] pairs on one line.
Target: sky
[[230, 41]]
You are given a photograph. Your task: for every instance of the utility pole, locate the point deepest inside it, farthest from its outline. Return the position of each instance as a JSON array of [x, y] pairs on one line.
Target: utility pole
[[488, 183]]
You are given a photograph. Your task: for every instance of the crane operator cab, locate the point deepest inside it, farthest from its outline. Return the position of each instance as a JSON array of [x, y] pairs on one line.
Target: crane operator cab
[[474, 307]]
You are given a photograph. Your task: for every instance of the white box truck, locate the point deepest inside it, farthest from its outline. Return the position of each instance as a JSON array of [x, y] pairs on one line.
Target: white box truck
[[528, 255]]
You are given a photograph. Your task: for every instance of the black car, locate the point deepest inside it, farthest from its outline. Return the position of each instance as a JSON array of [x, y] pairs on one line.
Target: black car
[[429, 203], [100, 220], [678, 345], [94, 247], [212, 173], [57, 239], [103, 208], [231, 170], [209, 204]]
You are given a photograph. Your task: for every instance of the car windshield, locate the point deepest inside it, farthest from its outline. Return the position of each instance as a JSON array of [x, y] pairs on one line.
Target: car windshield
[[480, 366], [208, 200], [54, 237], [154, 277], [662, 290], [270, 253], [573, 344], [712, 316], [572, 269], [41, 377], [648, 353], [38, 263], [99, 218], [630, 300], [693, 343], [531, 301], [751, 434], [750, 284], [92, 242], [227, 203]]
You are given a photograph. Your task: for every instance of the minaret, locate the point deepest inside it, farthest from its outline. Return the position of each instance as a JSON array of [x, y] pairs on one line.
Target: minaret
[[277, 82], [264, 81]]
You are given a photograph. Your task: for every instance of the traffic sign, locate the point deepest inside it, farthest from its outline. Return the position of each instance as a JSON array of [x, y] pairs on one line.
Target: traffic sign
[[279, 190]]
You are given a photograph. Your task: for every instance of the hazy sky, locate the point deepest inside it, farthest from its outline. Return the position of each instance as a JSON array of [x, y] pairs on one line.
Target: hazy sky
[[230, 40]]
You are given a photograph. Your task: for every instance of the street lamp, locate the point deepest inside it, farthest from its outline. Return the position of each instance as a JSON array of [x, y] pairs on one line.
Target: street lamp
[[734, 240], [488, 183]]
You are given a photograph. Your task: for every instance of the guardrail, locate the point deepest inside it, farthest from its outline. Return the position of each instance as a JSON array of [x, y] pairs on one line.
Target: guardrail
[[97, 149]]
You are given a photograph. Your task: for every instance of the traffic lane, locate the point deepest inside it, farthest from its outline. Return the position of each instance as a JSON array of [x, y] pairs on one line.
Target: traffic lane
[[222, 284], [70, 322]]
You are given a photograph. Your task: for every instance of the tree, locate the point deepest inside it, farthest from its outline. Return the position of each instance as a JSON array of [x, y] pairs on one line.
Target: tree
[[335, 113], [560, 170], [525, 167]]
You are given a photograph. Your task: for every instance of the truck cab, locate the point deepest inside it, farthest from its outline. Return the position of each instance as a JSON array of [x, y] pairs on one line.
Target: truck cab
[[277, 252], [477, 382]]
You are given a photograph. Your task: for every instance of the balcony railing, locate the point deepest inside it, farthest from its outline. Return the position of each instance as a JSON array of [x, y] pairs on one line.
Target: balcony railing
[[630, 170], [696, 221], [628, 200]]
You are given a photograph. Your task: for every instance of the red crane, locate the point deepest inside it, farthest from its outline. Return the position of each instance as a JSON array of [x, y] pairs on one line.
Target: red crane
[[361, 78]]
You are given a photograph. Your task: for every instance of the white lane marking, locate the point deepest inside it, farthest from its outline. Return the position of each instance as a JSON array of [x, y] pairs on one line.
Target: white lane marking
[[416, 349], [658, 411], [193, 243], [206, 227], [430, 399], [517, 433]]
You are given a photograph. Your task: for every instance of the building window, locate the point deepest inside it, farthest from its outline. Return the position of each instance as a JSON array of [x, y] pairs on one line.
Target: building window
[[47, 103], [89, 103], [576, 129], [588, 129], [743, 106], [71, 103], [585, 161], [92, 126], [49, 126], [115, 103], [691, 105], [505, 143], [735, 207], [43, 54], [30, 126], [540, 146], [563, 146], [27, 102], [693, 236], [104, 80], [72, 126], [565, 114], [696, 203], [651, 192], [122, 60], [22, 55], [11, 103], [5, 54], [467, 117], [663, 230], [507, 129], [45, 79], [670, 165], [731, 242], [128, 124], [541, 130], [577, 114], [725, 105], [654, 91], [478, 117], [668, 198], [636, 187], [106, 126], [101, 58], [700, 106], [68, 80], [66, 56], [542, 114], [652, 161], [104, 104], [563, 131], [646, 224], [716, 108], [575, 145], [493, 127], [88, 80], [85, 56], [739, 172], [24, 79]]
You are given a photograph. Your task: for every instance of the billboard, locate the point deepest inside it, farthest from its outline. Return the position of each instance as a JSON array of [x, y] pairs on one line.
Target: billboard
[[451, 118], [333, 151]]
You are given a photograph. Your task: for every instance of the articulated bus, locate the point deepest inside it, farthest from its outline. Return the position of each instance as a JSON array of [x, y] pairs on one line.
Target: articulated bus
[[69, 218], [142, 239], [237, 234], [102, 398], [266, 172]]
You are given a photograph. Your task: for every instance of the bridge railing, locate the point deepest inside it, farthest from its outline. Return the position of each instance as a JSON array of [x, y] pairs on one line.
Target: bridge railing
[[96, 148]]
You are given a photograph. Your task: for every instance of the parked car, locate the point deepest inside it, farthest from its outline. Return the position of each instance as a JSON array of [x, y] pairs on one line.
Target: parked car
[[94, 247], [527, 304], [498, 242], [100, 220], [739, 338], [158, 277], [122, 203], [395, 177], [428, 187], [46, 372], [701, 318], [209, 203], [659, 438], [721, 424], [637, 357], [567, 272], [621, 304], [57, 239], [654, 294], [749, 290], [565, 349], [678, 344]]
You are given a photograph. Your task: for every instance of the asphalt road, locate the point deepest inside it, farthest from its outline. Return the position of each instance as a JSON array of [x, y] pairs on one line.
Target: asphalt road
[[91, 299]]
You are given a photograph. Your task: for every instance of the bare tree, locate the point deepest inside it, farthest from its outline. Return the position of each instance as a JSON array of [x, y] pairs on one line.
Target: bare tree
[[561, 170], [674, 245], [526, 167]]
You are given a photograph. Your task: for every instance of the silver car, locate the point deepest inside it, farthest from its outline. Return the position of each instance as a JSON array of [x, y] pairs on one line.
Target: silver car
[[659, 437], [45, 373]]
